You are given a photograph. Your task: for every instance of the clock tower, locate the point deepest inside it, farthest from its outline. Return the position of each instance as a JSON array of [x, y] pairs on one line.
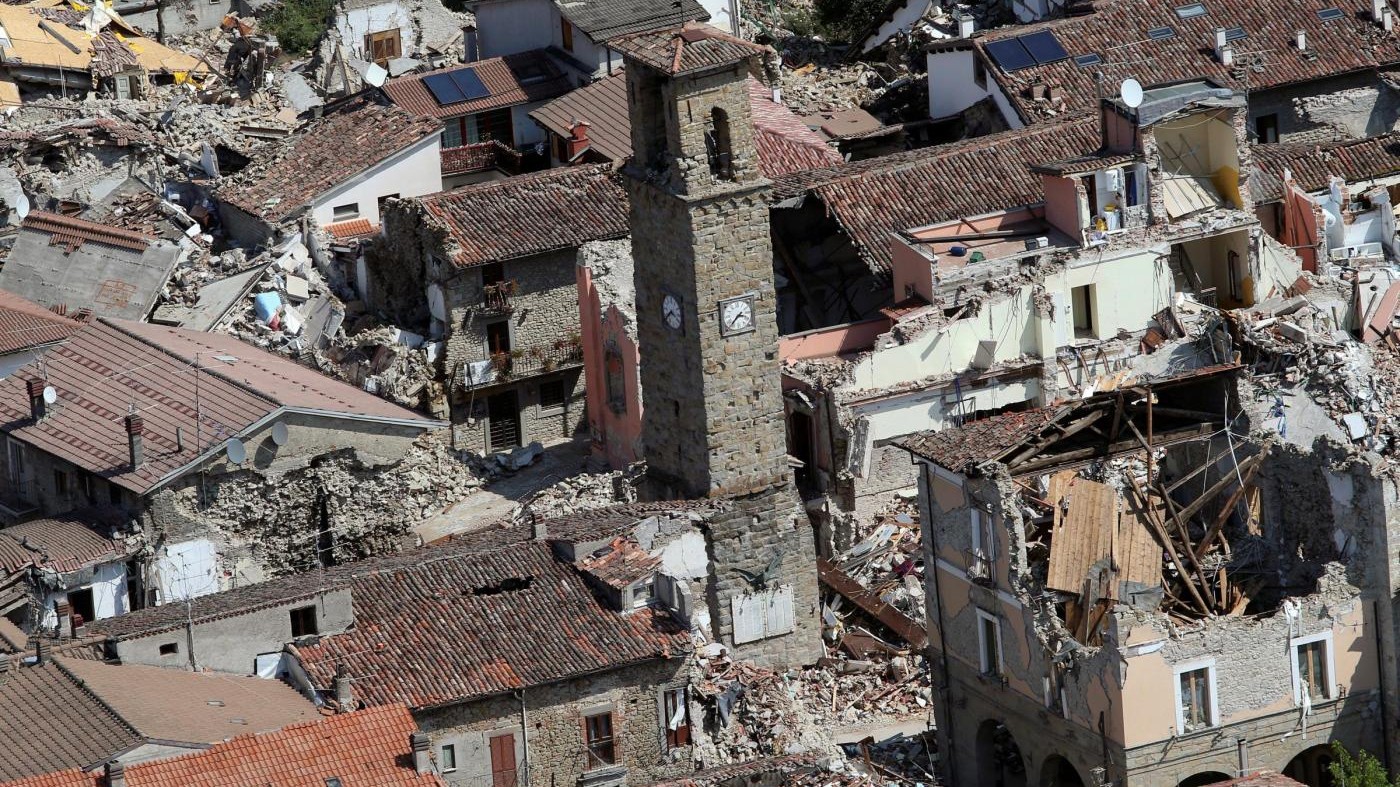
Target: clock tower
[[713, 423]]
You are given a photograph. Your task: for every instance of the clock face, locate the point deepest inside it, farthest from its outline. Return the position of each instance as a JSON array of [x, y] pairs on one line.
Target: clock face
[[736, 316], [671, 312]]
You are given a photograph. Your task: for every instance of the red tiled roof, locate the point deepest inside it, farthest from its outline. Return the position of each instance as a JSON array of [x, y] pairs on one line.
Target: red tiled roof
[[874, 198], [367, 747], [691, 48], [67, 542], [25, 324], [1313, 165], [111, 365], [785, 143], [514, 79], [446, 629], [978, 441], [71, 233], [347, 140], [531, 214], [349, 230], [1117, 32]]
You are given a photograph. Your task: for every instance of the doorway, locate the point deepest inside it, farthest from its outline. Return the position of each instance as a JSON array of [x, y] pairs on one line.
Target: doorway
[[82, 605], [503, 771], [503, 417]]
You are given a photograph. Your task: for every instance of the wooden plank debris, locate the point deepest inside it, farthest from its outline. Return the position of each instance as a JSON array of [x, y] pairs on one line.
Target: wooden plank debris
[[1084, 534]]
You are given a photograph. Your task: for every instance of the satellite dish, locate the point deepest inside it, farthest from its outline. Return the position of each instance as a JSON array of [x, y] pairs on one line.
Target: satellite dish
[[236, 452], [279, 433], [50, 394], [1131, 93]]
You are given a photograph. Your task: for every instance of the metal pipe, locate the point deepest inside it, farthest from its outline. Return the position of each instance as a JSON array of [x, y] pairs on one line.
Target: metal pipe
[[524, 742]]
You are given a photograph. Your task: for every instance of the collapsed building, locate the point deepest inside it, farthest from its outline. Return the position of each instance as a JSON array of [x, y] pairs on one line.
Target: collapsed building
[[1131, 589], [1028, 304]]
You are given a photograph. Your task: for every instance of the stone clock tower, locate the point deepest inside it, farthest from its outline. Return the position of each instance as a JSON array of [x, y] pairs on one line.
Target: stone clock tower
[[707, 327]]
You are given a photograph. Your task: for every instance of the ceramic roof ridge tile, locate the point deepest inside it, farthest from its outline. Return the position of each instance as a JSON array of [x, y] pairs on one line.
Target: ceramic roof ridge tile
[[83, 230]]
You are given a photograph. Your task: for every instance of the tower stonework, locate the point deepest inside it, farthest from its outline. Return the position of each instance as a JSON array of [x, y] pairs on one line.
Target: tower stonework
[[707, 327]]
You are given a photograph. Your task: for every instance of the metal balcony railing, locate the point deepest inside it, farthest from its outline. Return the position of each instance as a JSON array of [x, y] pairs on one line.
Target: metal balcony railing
[[518, 364], [478, 156], [497, 297]]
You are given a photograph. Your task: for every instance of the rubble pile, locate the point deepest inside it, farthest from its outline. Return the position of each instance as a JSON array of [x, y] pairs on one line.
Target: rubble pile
[[581, 492], [889, 561]]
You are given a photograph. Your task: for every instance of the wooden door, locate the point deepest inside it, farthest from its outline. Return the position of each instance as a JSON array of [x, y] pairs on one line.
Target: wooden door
[[503, 760]]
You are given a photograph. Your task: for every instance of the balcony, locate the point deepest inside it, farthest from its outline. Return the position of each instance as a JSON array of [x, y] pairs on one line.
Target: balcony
[[979, 567], [522, 363], [495, 298], [480, 156]]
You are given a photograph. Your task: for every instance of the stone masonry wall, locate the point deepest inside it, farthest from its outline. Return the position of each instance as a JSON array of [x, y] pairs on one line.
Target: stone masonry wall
[[553, 719]]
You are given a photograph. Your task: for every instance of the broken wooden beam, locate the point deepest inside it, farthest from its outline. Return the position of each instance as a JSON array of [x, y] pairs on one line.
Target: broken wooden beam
[[870, 602]]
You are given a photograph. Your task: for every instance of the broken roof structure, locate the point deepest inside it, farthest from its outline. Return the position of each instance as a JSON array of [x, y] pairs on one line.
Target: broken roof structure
[[188, 393], [68, 263], [370, 746], [64, 543], [1174, 41], [530, 214], [1313, 165], [785, 144], [95, 712], [349, 139]]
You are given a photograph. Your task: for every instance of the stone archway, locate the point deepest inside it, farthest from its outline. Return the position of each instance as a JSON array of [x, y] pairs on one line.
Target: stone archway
[[1056, 771], [1310, 766], [1203, 779], [999, 760]]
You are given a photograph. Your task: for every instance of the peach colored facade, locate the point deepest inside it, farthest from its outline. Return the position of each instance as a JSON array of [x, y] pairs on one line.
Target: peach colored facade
[[612, 386]]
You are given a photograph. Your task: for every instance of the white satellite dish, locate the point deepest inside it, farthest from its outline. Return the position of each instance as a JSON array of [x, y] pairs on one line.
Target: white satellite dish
[[1131, 93], [279, 433], [50, 394], [236, 452]]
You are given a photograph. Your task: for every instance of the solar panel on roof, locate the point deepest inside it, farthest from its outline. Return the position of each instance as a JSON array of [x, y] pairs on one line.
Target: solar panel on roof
[[1234, 33], [1160, 33], [1088, 60], [444, 90], [1044, 47], [1328, 14], [1010, 55], [1191, 11], [469, 83]]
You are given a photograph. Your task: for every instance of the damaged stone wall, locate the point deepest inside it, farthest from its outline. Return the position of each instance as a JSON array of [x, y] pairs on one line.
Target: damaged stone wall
[[553, 722], [339, 506], [1351, 106]]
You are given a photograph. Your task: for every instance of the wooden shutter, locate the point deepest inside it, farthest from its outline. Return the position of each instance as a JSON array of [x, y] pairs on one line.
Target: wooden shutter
[[503, 772]]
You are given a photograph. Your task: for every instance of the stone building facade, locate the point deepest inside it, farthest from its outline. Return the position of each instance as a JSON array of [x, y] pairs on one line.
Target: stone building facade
[[708, 333], [505, 305]]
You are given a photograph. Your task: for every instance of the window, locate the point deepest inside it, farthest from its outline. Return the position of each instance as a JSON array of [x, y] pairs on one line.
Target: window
[[1266, 128], [983, 541], [566, 34], [988, 643], [303, 621], [1091, 59], [452, 133], [169, 649], [552, 395], [88, 484], [447, 761], [1312, 668], [83, 605], [1195, 696], [1161, 33], [492, 273], [383, 46], [60, 483], [346, 212], [642, 594], [114, 494], [598, 735], [1082, 306], [719, 146], [1191, 11], [494, 125], [675, 715], [498, 338], [380, 202], [979, 72], [16, 457]]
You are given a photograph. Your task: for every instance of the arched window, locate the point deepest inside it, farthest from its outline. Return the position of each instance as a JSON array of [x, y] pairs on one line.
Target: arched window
[[718, 145]]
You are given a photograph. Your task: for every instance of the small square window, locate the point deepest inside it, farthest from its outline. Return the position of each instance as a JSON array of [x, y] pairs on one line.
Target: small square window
[[1161, 33], [346, 212], [170, 649], [303, 622], [552, 395], [447, 761], [1191, 11], [1091, 59], [1234, 33]]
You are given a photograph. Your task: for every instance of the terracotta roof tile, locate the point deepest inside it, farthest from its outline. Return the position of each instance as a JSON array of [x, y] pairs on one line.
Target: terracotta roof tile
[[349, 230], [514, 79], [689, 49], [71, 232], [785, 143], [874, 198], [1313, 165], [604, 19], [531, 214], [1117, 32], [25, 324], [368, 747], [350, 138], [102, 370]]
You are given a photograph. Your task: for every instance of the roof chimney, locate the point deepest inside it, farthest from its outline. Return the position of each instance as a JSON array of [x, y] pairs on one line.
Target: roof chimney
[[344, 693], [135, 428], [1378, 11], [578, 139], [39, 656], [115, 773], [64, 611], [1300, 40], [35, 386], [1225, 54], [966, 24], [421, 762], [1388, 22]]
